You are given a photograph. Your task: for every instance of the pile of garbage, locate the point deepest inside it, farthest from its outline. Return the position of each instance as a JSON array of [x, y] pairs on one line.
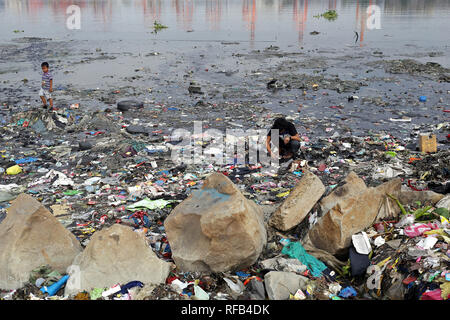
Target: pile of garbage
[[354, 218]]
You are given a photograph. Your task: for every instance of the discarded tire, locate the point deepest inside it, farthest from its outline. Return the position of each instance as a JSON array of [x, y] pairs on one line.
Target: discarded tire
[[133, 129], [129, 104], [85, 145]]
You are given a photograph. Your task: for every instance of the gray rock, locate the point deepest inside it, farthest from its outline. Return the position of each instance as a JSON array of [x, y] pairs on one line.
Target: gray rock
[[279, 285], [408, 196], [216, 228], [444, 203], [353, 185], [298, 203], [115, 255], [283, 264], [351, 215], [30, 236]]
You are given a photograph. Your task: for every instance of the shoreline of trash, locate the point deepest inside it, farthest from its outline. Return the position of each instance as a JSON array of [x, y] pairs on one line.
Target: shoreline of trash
[[99, 173], [103, 169]]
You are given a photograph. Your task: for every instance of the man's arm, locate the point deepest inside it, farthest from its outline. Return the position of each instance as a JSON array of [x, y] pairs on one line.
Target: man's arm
[[268, 144], [51, 85], [296, 137]]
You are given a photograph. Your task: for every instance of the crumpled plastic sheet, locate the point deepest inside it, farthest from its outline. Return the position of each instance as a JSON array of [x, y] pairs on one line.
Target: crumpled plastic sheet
[[389, 171], [149, 204], [432, 295], [418, 229], [296, 250], [347, 292], [62, 179]]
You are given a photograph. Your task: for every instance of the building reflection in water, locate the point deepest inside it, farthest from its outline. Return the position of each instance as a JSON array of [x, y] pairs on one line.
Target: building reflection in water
[[189, 12], [185, 13], [249, 17], [213, 14]]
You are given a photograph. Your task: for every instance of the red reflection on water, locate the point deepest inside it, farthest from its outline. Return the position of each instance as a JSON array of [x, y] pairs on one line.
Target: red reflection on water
[[249, 16], [300, 15], [332, 4], [185, 13], [213, 13], [102, 10]]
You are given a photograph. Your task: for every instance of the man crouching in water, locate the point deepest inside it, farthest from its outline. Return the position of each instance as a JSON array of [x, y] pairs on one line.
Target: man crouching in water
[[289, 140]]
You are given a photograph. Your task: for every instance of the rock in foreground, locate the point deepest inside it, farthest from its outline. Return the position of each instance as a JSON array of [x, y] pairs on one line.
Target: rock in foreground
[[216, 229], [115, 255], [279, 285], [350, 215], [30, 236], [299, 202]]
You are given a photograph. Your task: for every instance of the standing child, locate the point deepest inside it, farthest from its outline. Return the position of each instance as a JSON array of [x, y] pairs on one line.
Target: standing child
[[47, 86]]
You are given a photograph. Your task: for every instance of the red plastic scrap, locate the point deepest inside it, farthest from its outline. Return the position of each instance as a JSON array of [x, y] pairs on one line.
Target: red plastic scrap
[[84, 224], [139, 215], [103, 218], [171, 279], [432, 295], [414, 188], [409, 279], [251, 278], [411, 160]]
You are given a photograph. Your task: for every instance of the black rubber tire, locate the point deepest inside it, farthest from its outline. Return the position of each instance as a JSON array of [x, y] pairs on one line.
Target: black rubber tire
[[85, 145], [129, 104], [134, 129]]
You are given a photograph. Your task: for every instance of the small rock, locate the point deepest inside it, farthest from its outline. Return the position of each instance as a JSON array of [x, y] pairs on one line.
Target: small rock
[[30, 236], [279, 285], [444, 203]]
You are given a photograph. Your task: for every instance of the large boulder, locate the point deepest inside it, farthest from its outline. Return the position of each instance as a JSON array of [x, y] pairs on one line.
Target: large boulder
[[352, 186], [299, 202], [351, 215], [115, 255], [406, 197], [216, 229], [30, 236], [279, 285], [409, 196]]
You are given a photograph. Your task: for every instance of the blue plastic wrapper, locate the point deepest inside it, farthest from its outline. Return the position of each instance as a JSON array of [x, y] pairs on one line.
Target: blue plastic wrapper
[[347, 292]]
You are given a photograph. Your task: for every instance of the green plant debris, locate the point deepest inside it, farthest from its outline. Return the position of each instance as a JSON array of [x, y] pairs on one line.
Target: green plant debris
[[423, 212], [18, 31], [398, 203], [443, 212], [330, 15], [158, 27]]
